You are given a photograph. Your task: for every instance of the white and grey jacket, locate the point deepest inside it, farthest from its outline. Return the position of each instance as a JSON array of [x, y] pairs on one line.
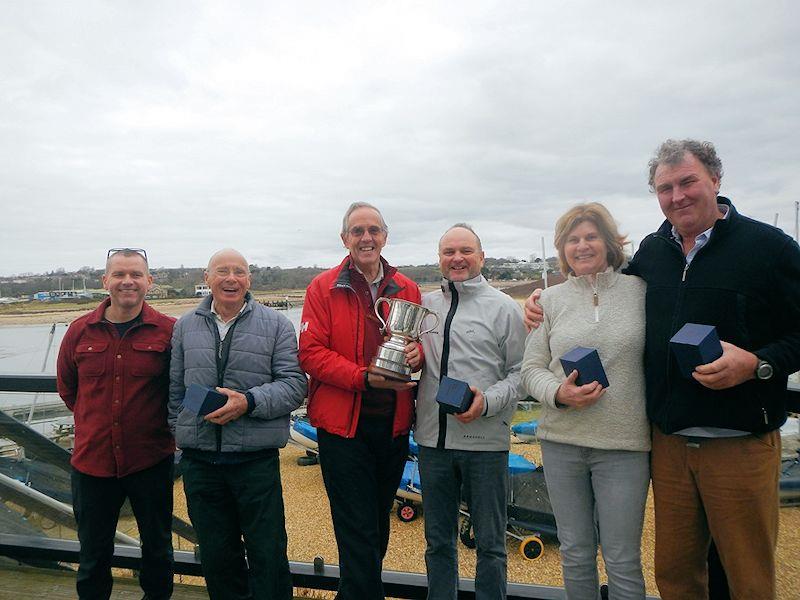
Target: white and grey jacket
[[481, 336]]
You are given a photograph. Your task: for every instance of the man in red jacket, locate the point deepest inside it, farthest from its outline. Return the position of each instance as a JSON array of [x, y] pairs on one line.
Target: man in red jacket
[[362, 419], [113, 374]]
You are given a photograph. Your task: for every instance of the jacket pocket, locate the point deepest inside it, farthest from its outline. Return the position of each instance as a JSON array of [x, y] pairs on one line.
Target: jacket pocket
[[91, 358], [148, 359]]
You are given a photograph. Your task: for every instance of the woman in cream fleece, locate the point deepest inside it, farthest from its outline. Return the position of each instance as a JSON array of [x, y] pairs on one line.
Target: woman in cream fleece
[[595, 441]]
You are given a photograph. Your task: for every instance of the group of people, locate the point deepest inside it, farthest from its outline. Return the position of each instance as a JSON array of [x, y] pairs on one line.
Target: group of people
[[710, 444]]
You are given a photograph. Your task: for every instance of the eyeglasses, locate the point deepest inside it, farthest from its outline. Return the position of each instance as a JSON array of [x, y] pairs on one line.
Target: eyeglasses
[[127, 251], [358, 231]]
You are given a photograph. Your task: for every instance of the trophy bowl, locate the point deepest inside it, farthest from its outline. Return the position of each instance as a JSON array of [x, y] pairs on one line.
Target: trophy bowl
[[403, 325]]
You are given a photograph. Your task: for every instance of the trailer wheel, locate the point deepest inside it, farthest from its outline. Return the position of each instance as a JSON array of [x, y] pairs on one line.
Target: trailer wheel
[[531, 548], [465, 533], [306, 461], [407, 512]]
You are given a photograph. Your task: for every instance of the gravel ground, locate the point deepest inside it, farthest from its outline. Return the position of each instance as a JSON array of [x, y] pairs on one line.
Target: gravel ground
[[311, 534]]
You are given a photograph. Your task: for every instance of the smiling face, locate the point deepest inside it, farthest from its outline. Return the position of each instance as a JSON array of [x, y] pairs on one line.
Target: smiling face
[[460, 255], [365, 238], [228, 276], [127, 281], [585, 249], [687, 194]]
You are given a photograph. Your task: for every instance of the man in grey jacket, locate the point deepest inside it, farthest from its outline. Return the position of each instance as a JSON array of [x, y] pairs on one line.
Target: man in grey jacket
[[230, 461], [480, 340]]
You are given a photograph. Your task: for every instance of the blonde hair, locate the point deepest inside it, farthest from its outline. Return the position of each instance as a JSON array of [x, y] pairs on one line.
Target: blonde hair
[[598, 215]]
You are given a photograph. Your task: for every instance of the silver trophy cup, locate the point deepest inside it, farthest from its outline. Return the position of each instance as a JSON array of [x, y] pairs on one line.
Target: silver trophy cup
[[403, 326]]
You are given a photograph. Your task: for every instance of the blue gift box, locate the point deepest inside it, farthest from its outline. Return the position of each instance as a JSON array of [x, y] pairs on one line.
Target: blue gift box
[[454, 396], [587, 362], [694, 345], [203, 400]]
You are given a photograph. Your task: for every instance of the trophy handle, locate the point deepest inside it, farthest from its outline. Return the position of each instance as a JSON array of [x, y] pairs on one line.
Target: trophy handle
[[378, 313], [429, 312]]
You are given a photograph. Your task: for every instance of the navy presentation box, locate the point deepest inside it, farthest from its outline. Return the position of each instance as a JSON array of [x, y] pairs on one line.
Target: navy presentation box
[[587, 362], [203, 400], [454, 396], [695, 345]]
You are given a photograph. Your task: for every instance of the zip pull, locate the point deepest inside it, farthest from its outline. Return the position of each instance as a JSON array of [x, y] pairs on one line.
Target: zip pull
[[595, 299], [766, 420], [596, 302], [686, 268]]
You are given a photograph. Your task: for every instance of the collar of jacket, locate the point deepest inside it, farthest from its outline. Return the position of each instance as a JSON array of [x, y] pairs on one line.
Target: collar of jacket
[[720, 227], [470, 286], [149, 315], [390, 286], [603, 280], [204, 308]]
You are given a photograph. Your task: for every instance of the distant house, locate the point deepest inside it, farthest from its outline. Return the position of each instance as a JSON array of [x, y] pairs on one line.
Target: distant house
[[157, 292], [201, 290]]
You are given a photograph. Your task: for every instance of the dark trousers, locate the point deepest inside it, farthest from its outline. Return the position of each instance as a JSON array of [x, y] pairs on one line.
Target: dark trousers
[[237, 509], [97, 502], [361, 476]]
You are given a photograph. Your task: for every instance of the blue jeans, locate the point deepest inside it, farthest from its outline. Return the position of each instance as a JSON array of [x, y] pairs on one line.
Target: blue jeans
[[484, 476], [601, 494]]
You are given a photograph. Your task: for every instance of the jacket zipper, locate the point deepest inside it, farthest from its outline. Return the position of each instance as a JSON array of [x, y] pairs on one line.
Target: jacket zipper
[[440, 442], [595, 300], [215, 330]]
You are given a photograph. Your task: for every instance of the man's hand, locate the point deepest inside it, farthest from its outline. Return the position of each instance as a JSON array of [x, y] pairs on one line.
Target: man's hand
[[234, 408], [384, 383], [534, 315], [475, 409], [578, 396], [735, 366], [413, 355]]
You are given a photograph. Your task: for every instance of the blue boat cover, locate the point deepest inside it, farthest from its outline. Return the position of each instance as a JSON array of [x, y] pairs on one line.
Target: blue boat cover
[[410, 476], [526, 428], [519, 464], [413, 447], [305, 428]]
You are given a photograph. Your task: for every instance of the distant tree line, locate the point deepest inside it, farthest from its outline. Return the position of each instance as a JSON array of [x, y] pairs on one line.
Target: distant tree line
[[180, 282]]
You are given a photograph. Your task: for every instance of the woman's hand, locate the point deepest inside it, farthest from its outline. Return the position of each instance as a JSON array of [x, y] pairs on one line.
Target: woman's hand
[[578, 396]]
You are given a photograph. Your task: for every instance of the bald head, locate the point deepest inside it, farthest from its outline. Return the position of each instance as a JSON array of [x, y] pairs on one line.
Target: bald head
[[227, 255]]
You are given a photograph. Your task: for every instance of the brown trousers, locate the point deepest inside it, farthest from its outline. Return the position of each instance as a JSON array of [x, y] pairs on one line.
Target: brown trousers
[[725, 488]]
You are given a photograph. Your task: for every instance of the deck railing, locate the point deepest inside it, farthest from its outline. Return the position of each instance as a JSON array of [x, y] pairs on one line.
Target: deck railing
[[38, 550]]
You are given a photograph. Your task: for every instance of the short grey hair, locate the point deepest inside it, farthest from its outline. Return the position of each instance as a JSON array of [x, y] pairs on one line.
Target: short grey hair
[[354, 207], [671, 152], [466, 226]]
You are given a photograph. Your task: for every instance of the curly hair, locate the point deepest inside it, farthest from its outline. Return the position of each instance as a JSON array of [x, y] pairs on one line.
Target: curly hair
[[671, 152]]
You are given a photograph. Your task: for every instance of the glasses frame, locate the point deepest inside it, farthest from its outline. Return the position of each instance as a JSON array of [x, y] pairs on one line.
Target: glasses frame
[[140, 251], [380, 231]]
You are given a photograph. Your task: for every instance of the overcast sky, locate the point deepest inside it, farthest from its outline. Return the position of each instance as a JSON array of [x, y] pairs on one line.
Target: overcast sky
[[184, 127]]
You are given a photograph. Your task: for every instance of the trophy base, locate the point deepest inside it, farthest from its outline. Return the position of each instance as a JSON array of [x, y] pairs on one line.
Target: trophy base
[[375, 370]]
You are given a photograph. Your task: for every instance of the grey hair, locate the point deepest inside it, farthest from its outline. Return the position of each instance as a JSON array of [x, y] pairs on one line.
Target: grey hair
[[354, 207], [466, 226], [671, 152]]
